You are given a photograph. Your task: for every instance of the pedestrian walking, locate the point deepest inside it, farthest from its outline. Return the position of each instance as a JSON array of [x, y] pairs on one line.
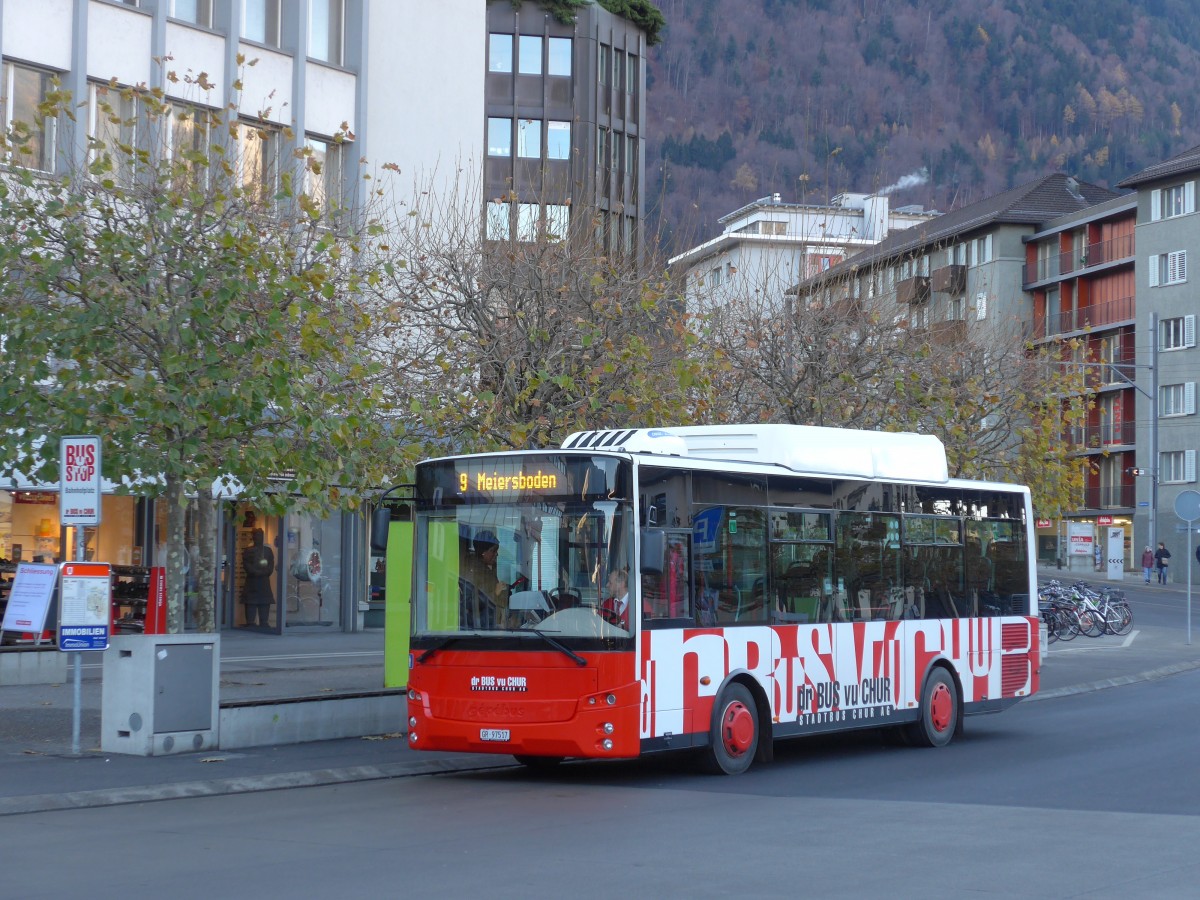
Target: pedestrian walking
[[1161, 555], [1148, 562]]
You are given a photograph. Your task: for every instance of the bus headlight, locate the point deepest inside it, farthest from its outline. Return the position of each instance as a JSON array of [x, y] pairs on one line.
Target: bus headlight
[[608, 727], [608, 744], [611, 699]]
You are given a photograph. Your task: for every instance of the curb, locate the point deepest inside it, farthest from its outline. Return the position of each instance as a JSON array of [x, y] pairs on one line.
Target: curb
[[11, 806], [1091, 686]]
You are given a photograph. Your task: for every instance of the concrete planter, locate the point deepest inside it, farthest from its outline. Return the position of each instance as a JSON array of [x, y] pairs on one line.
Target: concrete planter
[[161, 694], [33, 665]]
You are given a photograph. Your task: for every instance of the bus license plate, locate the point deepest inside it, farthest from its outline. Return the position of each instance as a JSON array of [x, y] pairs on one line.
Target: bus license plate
[[494, 734]]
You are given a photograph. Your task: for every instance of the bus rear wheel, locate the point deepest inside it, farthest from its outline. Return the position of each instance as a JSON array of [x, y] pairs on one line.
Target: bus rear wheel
[[733, 741], [939, 712]]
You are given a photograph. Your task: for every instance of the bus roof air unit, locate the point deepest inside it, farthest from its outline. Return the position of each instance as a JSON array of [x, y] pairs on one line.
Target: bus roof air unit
[[900, 456]]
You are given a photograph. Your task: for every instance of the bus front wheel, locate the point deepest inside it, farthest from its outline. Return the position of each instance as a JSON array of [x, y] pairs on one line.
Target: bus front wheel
[[734, 737], [939, 712]]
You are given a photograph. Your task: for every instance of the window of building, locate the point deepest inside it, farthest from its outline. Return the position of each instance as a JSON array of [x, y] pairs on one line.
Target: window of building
[[500, 52], [1168, 268], [259, 151], [558, 140], [23, 90], [113, 126], [188, 133], [260, 21], [499, 137], [530, 59], [529, 138], [1177, 399], [1173, 201], [327, 21], [326, 173], [981, 250], [499, 225], [605, 66], [559, 61], [1177, 467], [527, 221], [618, 76], [198, 12], [1177, 333], [631, 73], [981, 304], [558, 221], [630, 154]]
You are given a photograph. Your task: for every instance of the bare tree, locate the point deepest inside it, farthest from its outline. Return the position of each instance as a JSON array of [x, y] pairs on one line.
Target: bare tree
[[516, 340]]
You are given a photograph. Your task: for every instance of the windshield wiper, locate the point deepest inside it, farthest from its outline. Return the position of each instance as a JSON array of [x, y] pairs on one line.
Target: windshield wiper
[[562, 648], [441, 645]]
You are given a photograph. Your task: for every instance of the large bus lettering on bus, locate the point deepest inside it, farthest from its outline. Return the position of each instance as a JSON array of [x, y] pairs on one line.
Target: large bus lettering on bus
[[776, 581]]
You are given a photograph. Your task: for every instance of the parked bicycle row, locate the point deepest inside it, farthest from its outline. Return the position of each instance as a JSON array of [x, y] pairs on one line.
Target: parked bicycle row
[[1079, 608]]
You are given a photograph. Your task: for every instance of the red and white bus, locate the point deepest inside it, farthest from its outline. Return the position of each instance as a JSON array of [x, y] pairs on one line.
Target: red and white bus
[[716, 589]]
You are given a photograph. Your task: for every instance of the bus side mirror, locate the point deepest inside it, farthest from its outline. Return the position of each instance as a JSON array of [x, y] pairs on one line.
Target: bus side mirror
[[654, 551], [381, 518]]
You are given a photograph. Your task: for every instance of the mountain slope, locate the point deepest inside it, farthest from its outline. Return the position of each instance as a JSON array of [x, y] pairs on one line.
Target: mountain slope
[[943, 101]]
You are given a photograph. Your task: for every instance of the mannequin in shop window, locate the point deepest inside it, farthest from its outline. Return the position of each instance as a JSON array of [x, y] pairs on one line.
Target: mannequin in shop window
[[258, 561]]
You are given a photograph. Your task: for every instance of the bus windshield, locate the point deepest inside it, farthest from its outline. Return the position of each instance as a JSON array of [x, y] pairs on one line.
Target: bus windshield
[[531, 543]]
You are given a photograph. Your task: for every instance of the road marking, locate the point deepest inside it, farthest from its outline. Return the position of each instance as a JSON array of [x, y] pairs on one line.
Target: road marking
[[1084, 649]]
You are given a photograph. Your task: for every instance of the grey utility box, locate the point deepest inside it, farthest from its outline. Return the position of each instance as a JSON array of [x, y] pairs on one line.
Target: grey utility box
[[161, 694]]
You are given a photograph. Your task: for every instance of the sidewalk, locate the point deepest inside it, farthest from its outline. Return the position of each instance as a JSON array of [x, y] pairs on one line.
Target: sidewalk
[[37, 771]]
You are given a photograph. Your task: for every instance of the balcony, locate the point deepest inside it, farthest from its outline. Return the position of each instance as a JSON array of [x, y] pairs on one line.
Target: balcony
[[942, 334], [913, 290], [1103, 437], [1119, 497], [950, 280], [1099, 315], [1058, 265]]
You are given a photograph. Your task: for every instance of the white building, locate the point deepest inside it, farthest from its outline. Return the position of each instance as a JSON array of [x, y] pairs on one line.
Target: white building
[[768, 246]]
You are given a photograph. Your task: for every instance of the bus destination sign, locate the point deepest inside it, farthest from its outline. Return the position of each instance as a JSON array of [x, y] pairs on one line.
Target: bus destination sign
[[500, 483]]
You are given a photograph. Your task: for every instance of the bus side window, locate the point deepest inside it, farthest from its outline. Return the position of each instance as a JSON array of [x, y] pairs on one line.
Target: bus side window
[[666, 590]]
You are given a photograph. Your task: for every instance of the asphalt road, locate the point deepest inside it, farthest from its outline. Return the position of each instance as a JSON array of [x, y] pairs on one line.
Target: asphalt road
[[1090, 795]]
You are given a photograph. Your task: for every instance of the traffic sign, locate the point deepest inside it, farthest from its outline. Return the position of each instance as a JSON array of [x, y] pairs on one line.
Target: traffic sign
[[79, 480], [1187, 505]]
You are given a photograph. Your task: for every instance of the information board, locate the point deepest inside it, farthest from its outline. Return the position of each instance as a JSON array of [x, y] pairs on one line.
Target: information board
[[29, 600], [85, 606]]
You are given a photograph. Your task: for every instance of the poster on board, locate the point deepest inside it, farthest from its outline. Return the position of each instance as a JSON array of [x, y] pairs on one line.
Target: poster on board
[[29, 600]]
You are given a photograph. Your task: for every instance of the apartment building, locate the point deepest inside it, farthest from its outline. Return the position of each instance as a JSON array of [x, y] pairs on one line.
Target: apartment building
[[1167, 360], [1080, 276], [769, 245], [962, 270], [565, 124]]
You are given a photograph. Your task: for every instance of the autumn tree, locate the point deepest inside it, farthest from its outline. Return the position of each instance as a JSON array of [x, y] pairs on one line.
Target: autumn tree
[[855, 358], [196, 307]]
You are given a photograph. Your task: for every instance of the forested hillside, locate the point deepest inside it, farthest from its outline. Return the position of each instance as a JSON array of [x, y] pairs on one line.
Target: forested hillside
[[954, 99]]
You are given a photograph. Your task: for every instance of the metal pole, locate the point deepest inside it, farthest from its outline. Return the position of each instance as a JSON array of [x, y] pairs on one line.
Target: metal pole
[[1153, 466], [76, 660], [1189, 568]]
